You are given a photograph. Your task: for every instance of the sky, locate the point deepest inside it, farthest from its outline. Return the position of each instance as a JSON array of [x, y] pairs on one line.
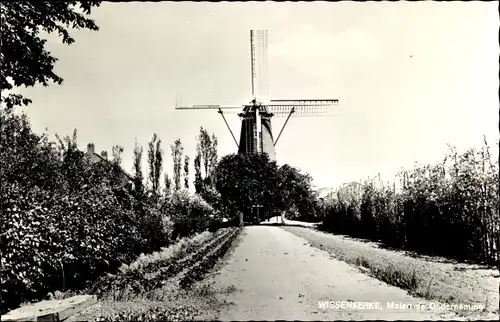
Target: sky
[[411, 78]]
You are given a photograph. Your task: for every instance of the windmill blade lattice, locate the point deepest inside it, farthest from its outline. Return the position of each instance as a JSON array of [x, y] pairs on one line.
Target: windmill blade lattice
[[301, 110], [258, 43], [208, 107]]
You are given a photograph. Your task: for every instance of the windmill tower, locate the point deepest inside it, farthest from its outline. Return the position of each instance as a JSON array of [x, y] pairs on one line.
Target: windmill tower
[[256, 133]]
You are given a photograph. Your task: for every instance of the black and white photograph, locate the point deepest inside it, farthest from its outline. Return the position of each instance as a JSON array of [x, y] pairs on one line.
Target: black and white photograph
[[249, 161]]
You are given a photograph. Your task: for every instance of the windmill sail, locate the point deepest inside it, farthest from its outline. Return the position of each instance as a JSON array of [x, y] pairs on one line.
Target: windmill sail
[[258, 44]]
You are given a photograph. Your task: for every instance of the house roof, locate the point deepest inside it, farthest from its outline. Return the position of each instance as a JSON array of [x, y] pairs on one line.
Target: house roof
[[352, 183], [324, 192], [120, 168]]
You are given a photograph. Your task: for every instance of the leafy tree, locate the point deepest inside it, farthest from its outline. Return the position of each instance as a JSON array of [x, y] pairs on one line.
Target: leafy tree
[[207, 148], [116, 172], [204, 149], [73, 164], [245, 181], [168, 185], [155, 160], [25, 157], [151, 228], [198, 180], [138, 176], [212, 158], [186, 172], [177, 151], [191, 214], [24, 59], [117, 151], [205, 160], [297, 193]]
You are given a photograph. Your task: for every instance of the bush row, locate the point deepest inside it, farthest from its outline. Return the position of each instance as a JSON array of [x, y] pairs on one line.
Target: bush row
[[449, 209]]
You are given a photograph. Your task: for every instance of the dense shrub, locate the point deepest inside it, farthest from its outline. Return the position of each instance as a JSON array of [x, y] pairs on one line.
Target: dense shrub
[[54, 241], [66, 220], [189, 214], [449, 209]]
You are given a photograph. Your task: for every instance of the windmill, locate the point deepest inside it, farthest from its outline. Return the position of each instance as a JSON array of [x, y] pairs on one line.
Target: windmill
[[256, 133]]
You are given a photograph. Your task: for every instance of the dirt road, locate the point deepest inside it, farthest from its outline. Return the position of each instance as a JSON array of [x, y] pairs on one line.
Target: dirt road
[[275, 275]]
